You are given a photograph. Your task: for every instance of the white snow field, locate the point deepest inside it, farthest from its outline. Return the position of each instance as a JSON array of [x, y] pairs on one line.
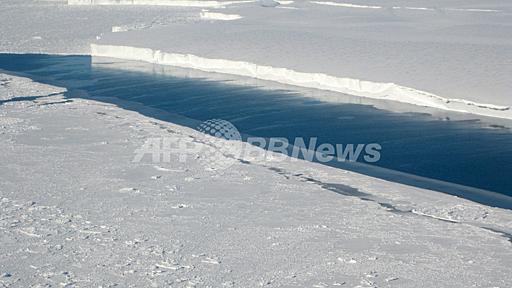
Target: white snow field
[[77, 212]]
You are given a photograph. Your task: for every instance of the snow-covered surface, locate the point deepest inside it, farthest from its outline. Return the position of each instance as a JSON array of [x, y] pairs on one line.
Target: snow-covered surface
[[77, 211], [69, 29]]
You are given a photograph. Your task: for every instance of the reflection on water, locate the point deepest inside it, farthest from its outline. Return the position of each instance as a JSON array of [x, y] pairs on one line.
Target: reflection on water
[[453, 147]]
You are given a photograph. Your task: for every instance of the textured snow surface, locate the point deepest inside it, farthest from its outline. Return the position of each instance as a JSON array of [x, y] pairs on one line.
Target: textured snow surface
[[77, 211]]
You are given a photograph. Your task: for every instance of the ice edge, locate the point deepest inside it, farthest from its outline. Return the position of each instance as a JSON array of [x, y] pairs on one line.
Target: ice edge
[[357, 87], [179, 3]]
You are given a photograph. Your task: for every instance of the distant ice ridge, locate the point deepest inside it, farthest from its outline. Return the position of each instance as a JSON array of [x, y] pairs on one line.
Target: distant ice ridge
[[473, 10], [375, 90], [269, 3], [415, 8], [447, 9], [348, 5], [116, 29], [183, 3], [205, 14]]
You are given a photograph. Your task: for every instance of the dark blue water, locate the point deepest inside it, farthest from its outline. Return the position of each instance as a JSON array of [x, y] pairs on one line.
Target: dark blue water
[[469, 152]]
